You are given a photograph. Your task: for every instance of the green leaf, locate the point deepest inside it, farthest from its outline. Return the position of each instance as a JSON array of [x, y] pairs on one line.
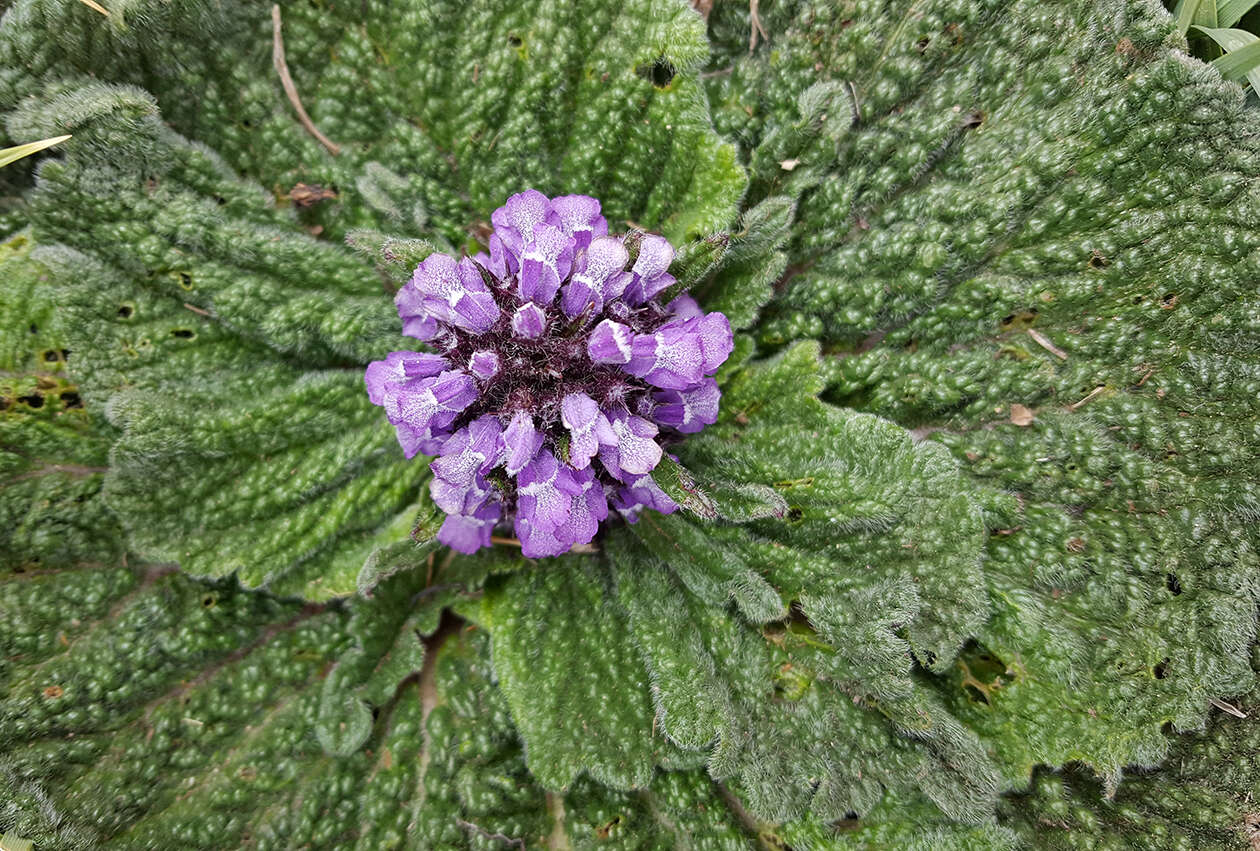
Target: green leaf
[[996, 227], [1230, 12], [388, 628], [8, 155], [53, 447], [142, 709], [1203, 798], [680, 486], [1201, 13], [543, 622], [1242, 56], [741, 282]]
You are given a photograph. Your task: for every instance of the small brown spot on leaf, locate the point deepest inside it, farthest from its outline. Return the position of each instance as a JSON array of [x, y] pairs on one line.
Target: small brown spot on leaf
[[54, 692], [310, 194], [606, 831]]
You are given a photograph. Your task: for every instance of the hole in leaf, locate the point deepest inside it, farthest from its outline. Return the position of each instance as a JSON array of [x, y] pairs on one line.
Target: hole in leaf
[[34, 400], [71, 399], [184, 333], [125, 311], [849, 822], [1161, 670], [209, 601], [794, 515], [1169, 301], [514, 40], [1097, 260], [34, 328], [1174, 584], [660, 73], [975, 695]]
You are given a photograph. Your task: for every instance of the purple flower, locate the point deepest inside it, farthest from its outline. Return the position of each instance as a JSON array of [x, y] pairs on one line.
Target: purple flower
[[650, 277], [688, 411], [557, 379], [610, 342], [484, 364], [529, 321]]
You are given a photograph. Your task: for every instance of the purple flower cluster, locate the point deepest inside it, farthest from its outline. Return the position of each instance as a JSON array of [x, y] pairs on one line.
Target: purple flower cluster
[[556, 375]]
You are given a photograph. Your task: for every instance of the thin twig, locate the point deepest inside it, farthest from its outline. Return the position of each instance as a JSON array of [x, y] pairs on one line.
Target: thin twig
[[857, 106], [1044, 341], [282, 68], [92, 4], [1227, 708], [195, 309], [1092, 395], [756, 27], [485, 834]]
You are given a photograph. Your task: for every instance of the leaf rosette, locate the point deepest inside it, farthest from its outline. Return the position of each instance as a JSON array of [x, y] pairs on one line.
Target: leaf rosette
[[975, 499]]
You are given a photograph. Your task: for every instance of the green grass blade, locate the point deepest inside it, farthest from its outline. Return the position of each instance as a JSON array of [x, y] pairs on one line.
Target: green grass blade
[[1230, 12], [13, 154], [1184, 13], [1242, 54]]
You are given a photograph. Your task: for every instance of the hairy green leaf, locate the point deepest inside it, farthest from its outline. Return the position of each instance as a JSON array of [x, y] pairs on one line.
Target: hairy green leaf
[[141, 709], [53, 448], [1049, 273]]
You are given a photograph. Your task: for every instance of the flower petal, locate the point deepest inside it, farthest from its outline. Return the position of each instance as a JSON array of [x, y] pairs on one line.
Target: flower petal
[[650, 275], [598, 276], [610, 342], [579, 218], [529, 321], [639, 493], [671, 358], [484, 364], [514, 222], [545, 490], [586, 423], [467, 533], [520, 443], [688, 411], [546, 261], [397, 367], [634, 452]]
